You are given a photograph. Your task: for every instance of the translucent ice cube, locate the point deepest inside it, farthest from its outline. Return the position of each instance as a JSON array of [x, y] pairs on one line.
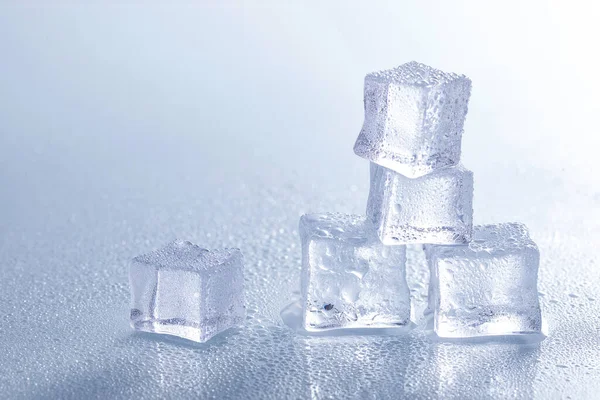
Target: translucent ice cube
[[187, 291], [434, 208], [487, 287], [350, 279], [414, 117]]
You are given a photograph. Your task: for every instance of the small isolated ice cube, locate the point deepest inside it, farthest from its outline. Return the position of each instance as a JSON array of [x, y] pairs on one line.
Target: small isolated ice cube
[[187, 291], [414, 117], [434, 208], [488, 287], [350, 279]]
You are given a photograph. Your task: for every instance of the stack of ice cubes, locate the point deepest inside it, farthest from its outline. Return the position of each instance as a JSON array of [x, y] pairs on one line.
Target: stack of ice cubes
[[483, 278]]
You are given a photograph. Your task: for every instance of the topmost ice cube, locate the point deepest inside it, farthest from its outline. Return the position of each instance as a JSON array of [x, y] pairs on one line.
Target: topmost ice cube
[[414, 117]]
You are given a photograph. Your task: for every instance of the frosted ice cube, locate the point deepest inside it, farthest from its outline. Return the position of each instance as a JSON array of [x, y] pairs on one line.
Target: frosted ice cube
[[434, 208], [414, 117], [187, 291], [350, 279], [487, 287]]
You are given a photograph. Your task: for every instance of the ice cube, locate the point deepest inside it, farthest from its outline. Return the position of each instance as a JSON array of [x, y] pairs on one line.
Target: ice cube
[[187, 291], [414, 117], [487, 287], [434, 208], [350, 279]]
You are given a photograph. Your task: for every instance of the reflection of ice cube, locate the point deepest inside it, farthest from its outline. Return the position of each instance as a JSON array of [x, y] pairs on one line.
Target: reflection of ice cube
[[414, 117], [350, 279], [434, 208], [488, 287], [186, 291], [455, 371], [357, 367]]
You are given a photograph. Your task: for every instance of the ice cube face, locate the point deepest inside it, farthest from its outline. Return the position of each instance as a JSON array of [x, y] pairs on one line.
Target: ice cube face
[[187, 291], [488, 287], [349, 278], [414, 118], [434, 208]]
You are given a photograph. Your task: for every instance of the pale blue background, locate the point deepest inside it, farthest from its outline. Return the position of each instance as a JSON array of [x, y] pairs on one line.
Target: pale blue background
[[123, 127]]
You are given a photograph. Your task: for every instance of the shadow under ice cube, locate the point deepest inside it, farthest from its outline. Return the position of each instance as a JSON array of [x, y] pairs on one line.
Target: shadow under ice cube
[[349, 278], [488, 287], [414, 118], [435, 208], [187, 291]]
